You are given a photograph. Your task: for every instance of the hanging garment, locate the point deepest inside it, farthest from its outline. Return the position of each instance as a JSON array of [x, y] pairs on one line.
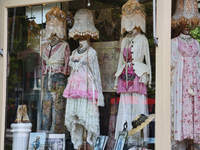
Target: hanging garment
[[131, 79], [84, 95], [185, 94], [55, 60]]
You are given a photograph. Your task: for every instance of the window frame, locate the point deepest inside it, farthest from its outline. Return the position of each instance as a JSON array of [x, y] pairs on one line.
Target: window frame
[[163, 111]]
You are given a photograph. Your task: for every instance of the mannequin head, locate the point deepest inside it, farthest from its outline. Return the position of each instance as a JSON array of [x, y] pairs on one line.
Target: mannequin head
[[84, 43], [54, 39]]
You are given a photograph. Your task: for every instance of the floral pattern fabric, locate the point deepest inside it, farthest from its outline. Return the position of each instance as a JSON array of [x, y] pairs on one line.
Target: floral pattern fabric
[[191, 104], [185, 59], [54, 104]]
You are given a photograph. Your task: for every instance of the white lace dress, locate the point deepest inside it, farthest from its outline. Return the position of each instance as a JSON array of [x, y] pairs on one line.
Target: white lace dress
[[84, 95]]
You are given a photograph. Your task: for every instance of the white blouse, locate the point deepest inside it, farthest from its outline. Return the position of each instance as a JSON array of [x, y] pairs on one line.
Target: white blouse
[[140, 50]]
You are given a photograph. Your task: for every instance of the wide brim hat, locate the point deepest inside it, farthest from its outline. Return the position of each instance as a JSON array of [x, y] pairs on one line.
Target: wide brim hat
[[142, 122]]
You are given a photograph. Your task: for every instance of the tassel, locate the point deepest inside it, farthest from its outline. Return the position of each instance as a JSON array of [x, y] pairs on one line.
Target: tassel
[[191, 92]]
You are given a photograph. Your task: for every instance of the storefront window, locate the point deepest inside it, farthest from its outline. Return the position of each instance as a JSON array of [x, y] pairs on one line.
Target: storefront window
[[81, 72]]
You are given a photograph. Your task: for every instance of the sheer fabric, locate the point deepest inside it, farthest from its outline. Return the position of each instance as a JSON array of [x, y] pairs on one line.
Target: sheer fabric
[[84, 95]]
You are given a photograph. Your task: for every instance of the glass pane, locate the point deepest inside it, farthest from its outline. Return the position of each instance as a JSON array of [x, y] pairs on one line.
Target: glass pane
[[80, 71]]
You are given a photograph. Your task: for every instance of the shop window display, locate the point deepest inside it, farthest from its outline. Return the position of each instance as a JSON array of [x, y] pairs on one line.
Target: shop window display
[[84, 72]]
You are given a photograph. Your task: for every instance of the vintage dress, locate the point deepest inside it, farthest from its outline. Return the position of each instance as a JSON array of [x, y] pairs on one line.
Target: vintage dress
[[84, 95], [185, 89], [55, 59], [133, 85]]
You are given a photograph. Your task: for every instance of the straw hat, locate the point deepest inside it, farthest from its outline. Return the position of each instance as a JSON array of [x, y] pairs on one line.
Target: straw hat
[[140, 122]]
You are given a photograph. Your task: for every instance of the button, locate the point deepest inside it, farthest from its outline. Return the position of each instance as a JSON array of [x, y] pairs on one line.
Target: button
[[132, 52], [131, 45], [132, 59], [132, 41]]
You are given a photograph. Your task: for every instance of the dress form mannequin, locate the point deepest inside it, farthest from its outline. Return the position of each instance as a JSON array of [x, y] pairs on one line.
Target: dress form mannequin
[[83, 45], [185, 31], [55, 67], [132, 78], [55, 40], [83, 91]]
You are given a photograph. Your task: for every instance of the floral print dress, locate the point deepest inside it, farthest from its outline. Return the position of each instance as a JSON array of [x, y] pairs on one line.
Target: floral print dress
[[186, 89]]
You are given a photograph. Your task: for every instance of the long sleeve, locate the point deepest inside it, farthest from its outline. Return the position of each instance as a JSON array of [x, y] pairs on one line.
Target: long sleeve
[[120, 64], [176, 87], [66, 68], [94, 65], [147, 58]]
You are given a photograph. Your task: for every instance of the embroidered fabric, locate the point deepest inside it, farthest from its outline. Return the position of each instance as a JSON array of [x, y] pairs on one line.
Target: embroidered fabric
[[55, 23], [133, 15], [186, 13], [83, 25]]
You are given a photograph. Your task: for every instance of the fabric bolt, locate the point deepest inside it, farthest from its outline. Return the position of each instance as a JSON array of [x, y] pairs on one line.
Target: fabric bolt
[[53, 104], [84, 95], [185, 61]]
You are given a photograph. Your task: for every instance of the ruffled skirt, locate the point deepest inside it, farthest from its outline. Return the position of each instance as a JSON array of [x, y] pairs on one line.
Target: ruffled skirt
[[80, 86], [82, 114]]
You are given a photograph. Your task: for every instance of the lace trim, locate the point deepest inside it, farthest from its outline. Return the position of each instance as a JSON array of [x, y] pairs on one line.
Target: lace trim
[[83, 25], [56, 13], [81, 112], [193, 21], [131, 6], [136, 11], [186, 38], [136, 20], [78, 34]]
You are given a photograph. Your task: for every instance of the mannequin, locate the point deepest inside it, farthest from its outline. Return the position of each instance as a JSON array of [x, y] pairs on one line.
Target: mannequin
[[83, 91], [133, 75], [55, 67], [185, 87], [83, 45], [131, 82], [185, 31]]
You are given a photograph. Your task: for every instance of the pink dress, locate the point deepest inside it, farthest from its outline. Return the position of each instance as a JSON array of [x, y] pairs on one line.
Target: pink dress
[[190, 104], [84, 95]]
